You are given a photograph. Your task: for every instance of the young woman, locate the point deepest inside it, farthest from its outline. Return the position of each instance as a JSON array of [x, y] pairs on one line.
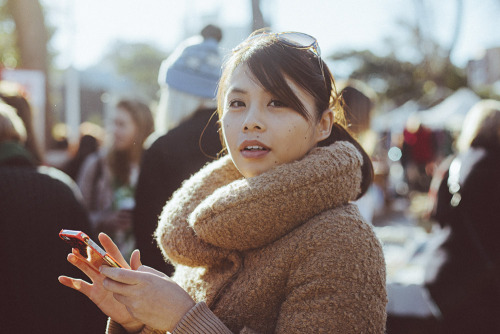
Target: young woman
[[107, 178], [264, 240]]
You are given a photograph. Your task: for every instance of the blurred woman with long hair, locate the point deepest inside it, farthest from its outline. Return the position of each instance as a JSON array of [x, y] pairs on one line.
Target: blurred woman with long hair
[[108, 178]]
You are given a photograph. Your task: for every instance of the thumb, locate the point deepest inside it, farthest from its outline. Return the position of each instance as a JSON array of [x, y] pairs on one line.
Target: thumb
[[135, 260], [150, 270]]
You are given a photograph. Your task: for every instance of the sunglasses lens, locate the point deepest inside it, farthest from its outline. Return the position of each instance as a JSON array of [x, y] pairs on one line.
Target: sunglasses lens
[[300, 40], [294, 39], [297, 39]]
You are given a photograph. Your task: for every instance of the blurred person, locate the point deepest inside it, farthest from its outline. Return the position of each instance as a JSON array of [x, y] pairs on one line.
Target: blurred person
[[417, 154], [188, 78], [358, 102], [33, 209], [188, 81], [91, 137], [13, 94], [461, 282], [108, 177], [264, 239], [463, 275], [60, 151], [87, 145]]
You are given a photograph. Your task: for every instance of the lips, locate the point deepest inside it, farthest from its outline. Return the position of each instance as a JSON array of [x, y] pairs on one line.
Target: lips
[[253, 149]]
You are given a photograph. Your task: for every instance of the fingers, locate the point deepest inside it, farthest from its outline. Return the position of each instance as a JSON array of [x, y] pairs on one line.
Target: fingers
[[150, 270], [117, 288], [135, 260], [108, 244], [122, 300], [120, 275], [81, 263], [77, 284], [136, 264], [111, 248]]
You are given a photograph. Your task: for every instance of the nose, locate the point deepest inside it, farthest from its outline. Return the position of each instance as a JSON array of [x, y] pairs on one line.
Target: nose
[[253, 120]]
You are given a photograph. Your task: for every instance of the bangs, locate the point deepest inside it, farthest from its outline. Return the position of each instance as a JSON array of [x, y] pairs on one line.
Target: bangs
[[272, 63], [270, 70]]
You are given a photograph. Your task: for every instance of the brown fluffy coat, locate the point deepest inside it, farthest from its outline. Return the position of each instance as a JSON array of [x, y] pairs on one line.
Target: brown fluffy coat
[[283, 252]]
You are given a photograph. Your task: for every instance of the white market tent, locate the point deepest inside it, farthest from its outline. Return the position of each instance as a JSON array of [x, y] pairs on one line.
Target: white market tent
[[450, 113], [394, 120]]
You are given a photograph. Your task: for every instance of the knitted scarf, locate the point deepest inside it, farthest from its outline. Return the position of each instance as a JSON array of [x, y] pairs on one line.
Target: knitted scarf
[[217, 213]]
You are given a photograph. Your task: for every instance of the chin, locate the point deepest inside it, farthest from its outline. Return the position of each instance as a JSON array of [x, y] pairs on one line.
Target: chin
[[253, 172], [249, 168]]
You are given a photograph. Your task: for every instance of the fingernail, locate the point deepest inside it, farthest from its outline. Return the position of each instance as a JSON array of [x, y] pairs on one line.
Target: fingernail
[[72, 259], [100, 268]]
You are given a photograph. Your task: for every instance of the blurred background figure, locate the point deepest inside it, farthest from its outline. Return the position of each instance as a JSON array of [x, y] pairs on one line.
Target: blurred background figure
[[463, 274], [358, 102], [188, 81], [13, 95], [460, 287], [188, 78], [418, 154], [91, 137], [86, 146], [33, 209], [108, 178]]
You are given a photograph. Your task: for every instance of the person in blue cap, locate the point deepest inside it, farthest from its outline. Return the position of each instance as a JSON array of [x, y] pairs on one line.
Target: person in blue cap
[[186, 134], [188, 79]]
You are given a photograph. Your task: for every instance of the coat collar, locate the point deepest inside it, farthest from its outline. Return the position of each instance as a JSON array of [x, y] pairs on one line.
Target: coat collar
[[224, 213], [14, 153]]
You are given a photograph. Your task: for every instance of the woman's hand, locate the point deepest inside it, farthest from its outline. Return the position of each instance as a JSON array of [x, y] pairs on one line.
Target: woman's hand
[[96, 292], [149, 295]]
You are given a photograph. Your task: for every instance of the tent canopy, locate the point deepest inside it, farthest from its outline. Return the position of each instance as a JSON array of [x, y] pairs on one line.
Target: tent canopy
[[448, 115]]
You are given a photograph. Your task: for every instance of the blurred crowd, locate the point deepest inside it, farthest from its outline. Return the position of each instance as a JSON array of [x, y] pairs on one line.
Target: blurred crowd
[[117, 180]]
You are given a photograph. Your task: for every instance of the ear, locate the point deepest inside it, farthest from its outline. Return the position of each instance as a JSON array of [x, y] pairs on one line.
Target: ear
[[324, 126]]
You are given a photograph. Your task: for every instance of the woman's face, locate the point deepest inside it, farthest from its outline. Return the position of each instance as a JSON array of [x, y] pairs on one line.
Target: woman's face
[[260, 131], [125, 130]]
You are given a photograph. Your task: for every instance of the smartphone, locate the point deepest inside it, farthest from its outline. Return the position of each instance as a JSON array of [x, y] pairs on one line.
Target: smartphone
[[88, 248]]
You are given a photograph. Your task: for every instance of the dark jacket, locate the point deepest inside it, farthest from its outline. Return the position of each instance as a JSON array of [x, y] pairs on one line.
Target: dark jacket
[[169, 161], [34, 207], [458, 277]]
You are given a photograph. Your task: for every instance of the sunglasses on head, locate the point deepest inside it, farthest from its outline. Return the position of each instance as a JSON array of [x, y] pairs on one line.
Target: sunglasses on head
[[294, 39]]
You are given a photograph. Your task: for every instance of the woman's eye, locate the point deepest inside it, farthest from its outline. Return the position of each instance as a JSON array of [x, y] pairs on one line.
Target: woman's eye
[[236, 104], [277, 103]]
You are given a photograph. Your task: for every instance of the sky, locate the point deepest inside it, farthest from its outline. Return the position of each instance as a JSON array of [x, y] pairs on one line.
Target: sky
[[86, 28]]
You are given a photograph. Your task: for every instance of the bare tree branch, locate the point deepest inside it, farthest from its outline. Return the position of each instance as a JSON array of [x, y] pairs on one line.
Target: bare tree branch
[[258, 18]]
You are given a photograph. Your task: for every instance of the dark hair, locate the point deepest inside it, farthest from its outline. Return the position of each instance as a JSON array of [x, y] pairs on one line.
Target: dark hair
[[272, 62], [119, 161], [484, 128], [11, 125], [88, 144], [24, 111], [357, 107], [211, 31]]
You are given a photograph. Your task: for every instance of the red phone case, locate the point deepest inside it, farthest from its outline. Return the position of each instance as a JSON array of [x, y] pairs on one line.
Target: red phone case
[[87, 248]]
